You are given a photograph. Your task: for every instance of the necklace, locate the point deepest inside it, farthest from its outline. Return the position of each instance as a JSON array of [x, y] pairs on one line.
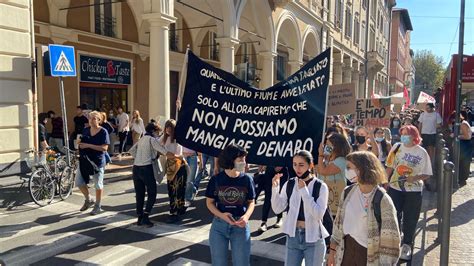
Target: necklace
[[364, 200]]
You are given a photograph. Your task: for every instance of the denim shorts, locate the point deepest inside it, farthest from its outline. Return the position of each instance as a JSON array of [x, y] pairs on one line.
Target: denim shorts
[[98, 179]]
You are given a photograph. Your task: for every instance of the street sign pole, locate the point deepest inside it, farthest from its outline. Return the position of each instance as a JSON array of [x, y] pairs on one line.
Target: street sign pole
[[63, 110]]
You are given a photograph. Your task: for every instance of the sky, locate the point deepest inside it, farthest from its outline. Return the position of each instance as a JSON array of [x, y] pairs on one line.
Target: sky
[[436, 26]]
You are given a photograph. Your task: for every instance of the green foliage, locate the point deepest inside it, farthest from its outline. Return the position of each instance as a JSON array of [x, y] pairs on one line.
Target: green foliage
[[429, 70]]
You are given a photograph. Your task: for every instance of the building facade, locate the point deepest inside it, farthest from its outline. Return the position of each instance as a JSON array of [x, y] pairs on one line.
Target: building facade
[[131, 53], [402, 72], [17, 123]]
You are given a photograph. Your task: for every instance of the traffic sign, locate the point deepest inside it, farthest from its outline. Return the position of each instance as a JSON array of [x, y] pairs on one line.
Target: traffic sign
[[62, 60]]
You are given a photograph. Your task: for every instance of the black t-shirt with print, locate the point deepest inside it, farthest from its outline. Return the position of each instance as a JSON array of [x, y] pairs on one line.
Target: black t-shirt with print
[[231, 194]]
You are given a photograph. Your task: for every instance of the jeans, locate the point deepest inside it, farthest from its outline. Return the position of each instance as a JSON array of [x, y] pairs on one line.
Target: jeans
[[220, 235], [408, 205], [200, 175], [193, 164], [297, 249], [98, 179], [144, 180], [123, 140]]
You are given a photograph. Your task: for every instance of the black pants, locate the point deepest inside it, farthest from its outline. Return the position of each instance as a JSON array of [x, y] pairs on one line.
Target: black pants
[[144, 180], [408, 205], [464, 161], [265, 184], [123, 140], [354, 253], [176, 191]]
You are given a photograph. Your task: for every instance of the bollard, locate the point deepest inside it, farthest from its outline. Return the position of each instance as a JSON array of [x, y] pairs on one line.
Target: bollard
[[447, 197], [441, 189]]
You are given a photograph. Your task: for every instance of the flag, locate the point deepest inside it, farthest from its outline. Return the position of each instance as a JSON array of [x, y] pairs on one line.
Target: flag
[[406, 96]]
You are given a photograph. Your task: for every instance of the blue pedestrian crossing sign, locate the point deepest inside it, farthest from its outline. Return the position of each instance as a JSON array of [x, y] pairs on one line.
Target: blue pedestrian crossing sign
[[62, 60]]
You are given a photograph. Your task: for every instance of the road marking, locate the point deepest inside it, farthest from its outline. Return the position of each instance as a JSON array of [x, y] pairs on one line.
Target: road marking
[[187, 262], [118, 255], [10, 231], [45, 249], [196, 235]]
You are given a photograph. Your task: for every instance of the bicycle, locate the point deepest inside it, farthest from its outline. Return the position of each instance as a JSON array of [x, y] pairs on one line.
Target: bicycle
[[48, 177]]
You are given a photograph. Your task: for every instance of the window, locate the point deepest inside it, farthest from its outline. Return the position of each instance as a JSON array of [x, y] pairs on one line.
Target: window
[[356, 29], [364, 4], [339, 16], [363, 40], [348, 24], [104, 20], [173, 38], [213, 47], [281, 65]]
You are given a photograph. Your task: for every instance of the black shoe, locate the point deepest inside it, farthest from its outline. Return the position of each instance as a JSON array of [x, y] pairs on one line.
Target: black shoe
[[146, 220], [140, 219]]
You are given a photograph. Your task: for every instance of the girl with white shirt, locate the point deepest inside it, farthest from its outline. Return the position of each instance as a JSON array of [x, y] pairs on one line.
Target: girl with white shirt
[[137, 126], [176, 171], [360, 236], [303, 224]]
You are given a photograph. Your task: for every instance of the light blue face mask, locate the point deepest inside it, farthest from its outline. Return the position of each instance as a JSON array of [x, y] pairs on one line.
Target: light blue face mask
[[379, 139], [405, 139]]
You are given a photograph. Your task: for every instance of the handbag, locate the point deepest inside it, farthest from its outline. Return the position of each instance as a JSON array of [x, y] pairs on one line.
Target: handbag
[[158, 172]]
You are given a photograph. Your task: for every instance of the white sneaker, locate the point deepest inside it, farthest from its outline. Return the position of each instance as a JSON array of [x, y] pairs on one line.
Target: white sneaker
[[187, 204], [406, 252], [279, 223], [263, 228]]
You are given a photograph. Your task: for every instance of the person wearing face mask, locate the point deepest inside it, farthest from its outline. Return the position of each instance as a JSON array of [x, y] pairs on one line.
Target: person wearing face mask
[[230, 198], [408, 165], [383, 146], [305, 197], [364, 141], [144, 151], [366, 228], [430, 122], [395, 124], [331, 168]]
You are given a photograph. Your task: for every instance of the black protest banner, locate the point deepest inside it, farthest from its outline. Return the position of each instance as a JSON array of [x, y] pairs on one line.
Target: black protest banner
[[219, 109]]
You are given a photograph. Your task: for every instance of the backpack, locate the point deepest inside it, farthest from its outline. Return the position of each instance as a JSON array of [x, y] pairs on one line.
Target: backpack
[[375, 203], [327, 218]]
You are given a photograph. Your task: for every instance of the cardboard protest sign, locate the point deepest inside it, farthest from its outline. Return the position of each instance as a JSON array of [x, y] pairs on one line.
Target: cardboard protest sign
[[341, 99], [219, 109], [425, 98], [373, 112]]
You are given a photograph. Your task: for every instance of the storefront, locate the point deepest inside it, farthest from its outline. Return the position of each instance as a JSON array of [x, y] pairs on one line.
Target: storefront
[[104, 83]]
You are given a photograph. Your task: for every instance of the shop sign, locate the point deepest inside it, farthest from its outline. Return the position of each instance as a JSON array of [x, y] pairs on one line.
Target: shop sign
[[103, 70]]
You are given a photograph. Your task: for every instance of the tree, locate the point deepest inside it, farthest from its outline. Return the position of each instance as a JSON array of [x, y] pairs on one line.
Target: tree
[[429, 71]]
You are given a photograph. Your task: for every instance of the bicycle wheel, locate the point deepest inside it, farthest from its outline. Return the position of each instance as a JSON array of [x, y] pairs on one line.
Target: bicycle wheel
[[41, 187], [66, 182]]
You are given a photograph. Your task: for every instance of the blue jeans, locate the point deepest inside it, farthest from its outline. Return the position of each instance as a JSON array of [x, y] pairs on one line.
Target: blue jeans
[[205, 159], [297, 249], [220, 235], [193, 164]]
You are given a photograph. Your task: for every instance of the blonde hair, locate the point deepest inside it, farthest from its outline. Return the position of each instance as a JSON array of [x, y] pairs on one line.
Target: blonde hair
[[137, 120], [97, 115], [370, 168], [104, 117]]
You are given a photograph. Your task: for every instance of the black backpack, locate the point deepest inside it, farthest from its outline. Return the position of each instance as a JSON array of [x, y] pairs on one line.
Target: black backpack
[[327, 219], [375, 203]]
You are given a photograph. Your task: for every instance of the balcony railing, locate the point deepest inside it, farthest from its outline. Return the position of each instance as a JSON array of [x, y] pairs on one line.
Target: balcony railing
[[105, 26]]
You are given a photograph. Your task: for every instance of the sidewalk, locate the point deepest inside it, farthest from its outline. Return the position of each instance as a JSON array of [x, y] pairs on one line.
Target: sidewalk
[[427, 251]]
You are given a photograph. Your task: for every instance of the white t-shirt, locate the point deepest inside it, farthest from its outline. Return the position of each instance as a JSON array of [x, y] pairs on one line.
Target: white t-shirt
[[123, 122], [355, 218], [408, 162], [429, 122]]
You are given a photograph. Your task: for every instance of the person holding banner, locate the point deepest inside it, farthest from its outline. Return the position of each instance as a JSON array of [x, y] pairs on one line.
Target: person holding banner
[[332, 166], [408, 165], [306, 198], [365, 230], [230, 198], [364, 141], [175, 170]]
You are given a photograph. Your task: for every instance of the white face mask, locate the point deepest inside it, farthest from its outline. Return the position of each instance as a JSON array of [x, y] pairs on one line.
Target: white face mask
[[351, 175], [239, 166]]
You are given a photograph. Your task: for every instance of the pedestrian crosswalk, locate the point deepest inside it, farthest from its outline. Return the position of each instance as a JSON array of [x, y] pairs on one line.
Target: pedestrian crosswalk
[[54, 245]]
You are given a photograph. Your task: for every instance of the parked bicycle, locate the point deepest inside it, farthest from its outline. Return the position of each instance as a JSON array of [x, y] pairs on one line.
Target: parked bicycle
[[50, 176]]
